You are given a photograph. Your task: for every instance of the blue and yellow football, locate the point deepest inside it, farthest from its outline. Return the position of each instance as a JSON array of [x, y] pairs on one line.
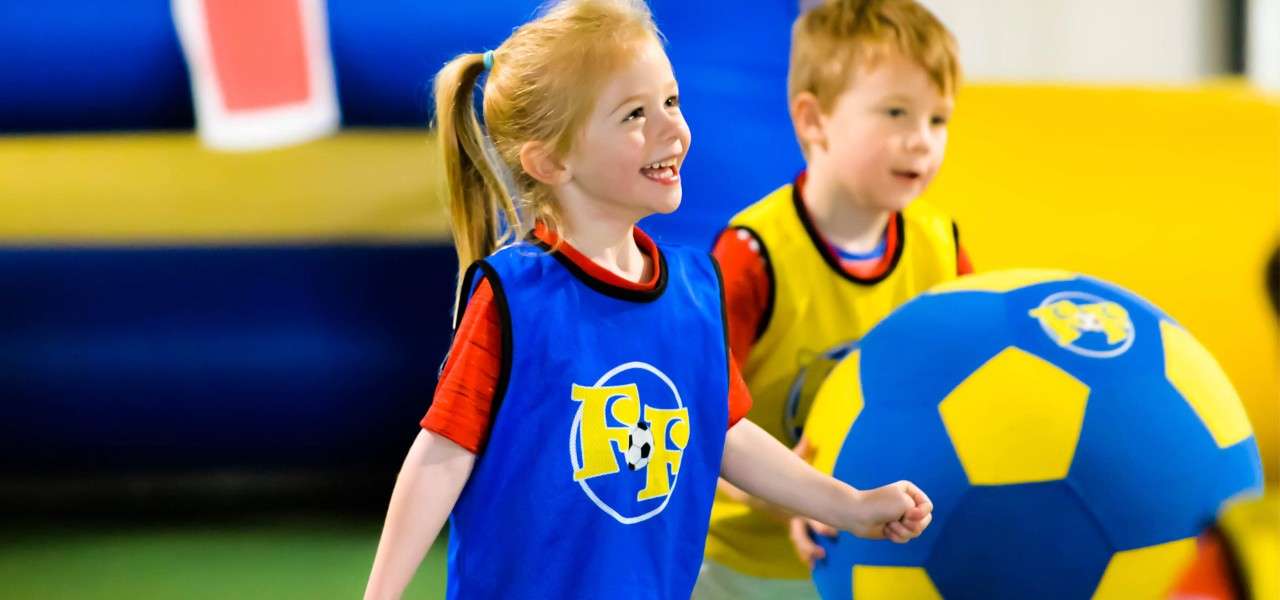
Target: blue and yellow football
[[1073, 438]]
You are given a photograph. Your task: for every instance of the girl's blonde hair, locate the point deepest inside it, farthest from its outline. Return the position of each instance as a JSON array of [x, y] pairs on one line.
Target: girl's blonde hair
[[542, 85]]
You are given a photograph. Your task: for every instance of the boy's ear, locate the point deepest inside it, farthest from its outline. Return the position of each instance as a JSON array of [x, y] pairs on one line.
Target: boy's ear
[[539, 160], [806, 117]]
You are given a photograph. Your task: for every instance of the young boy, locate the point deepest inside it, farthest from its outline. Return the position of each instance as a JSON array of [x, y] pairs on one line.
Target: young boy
[[811, 267]]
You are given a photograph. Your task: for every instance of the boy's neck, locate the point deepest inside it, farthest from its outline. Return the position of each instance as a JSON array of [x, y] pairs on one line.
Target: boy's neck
[[609, 242], [841, 219]]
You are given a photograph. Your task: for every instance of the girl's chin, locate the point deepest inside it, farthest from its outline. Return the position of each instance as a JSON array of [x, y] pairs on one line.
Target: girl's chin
[[669, 204], [642, 207], [668, 208]]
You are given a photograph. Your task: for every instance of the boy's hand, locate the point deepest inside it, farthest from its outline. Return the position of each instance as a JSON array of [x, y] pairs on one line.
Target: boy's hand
[[898, 512], [802, 532]]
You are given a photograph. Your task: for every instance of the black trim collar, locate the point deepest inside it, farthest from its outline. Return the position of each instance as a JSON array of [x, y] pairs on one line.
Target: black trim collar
[[613, 291], [820, 245]]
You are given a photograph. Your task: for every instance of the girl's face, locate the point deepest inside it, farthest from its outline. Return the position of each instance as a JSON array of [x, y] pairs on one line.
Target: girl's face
[[627, 157]]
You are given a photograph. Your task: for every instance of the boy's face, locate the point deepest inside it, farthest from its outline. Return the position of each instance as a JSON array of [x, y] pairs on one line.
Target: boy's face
[[629, 153], [884, 138]]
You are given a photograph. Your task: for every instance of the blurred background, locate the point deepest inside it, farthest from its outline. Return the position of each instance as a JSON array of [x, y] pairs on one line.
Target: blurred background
[[226, 276]]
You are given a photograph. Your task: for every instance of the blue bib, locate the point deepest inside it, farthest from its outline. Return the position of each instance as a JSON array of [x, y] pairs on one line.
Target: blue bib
[[609, 423]]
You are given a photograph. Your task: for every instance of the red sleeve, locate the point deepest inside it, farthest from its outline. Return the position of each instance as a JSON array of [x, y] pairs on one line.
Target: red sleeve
[[747, 287], [1209, 576], [739, 395], [963, 265], [460, 408]]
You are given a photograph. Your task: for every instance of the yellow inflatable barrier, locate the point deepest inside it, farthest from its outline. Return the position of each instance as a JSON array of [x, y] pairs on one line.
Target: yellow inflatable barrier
[[165, 187]]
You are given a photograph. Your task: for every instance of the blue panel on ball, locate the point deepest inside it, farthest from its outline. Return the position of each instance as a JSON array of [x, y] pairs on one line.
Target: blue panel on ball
[[876, 453], [929, 345], [1140, 438], [1019, 541]]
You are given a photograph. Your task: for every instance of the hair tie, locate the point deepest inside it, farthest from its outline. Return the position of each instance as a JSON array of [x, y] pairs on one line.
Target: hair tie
[[488, 59]]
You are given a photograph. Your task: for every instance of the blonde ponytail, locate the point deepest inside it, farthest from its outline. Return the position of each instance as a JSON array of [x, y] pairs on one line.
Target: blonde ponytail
[[482, 213]]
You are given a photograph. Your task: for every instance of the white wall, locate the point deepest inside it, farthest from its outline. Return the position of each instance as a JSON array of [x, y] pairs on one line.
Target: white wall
[[1262, 47], [1102, 41]]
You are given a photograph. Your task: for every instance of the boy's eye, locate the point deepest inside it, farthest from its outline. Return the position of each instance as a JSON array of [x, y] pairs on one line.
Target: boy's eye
[[673, 102], [896, 112], [635, 114], [938, 120]]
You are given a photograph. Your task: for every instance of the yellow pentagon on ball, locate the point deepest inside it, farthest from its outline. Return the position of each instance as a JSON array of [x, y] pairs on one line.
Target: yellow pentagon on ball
[[1149, 572], [1198, 377], [1002, 281], [905, 583], [835, 407], [1015, 419]]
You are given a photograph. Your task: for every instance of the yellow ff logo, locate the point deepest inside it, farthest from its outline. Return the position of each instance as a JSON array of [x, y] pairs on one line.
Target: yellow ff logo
[[664, 433]]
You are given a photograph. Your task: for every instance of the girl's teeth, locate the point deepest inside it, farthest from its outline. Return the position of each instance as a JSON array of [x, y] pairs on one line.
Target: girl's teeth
[[660, 174]]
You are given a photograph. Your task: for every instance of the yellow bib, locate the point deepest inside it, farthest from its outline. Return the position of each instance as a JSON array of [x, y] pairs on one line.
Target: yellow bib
[[817, 310], [1252, 530]]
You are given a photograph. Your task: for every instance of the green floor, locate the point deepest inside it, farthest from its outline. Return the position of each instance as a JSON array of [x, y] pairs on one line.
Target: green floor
[[290, 557]]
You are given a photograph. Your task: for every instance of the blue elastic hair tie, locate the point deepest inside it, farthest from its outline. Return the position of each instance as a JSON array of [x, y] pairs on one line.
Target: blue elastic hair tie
[[488, 60]]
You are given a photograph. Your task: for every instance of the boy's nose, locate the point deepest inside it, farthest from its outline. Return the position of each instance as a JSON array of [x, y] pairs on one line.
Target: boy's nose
[[920, 140]]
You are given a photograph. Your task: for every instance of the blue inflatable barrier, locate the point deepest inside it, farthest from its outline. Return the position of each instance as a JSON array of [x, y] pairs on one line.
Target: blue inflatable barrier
[[129, 359]]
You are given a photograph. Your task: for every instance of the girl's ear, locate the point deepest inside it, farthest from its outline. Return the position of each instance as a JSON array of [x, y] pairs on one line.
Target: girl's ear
[[540, 161], [806, 117]]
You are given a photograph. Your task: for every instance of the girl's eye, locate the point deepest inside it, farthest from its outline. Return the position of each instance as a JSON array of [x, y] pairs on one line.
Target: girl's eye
[[638, 113], [938, 120], [673, 102], [896, 112]]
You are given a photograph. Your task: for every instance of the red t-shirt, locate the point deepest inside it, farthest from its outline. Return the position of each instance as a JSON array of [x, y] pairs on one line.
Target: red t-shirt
[[747, 284], [1211, 575], [460, 408]]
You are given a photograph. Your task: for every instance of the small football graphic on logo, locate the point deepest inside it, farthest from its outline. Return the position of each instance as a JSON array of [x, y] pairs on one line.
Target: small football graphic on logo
[[639, 445]]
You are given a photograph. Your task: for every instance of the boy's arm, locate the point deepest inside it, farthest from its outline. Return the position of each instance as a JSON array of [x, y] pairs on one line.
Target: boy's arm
[[763, 467], [428, 486]]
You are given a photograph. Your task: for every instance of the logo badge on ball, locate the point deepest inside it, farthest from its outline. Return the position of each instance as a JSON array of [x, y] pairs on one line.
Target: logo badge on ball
[[1085, 324]]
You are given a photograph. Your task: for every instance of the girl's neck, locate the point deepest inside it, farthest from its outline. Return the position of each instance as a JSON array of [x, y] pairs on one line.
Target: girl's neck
[[609, 241], [842, 219]]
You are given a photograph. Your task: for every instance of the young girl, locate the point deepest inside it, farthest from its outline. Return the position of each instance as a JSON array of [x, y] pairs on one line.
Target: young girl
[[588, 402]]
